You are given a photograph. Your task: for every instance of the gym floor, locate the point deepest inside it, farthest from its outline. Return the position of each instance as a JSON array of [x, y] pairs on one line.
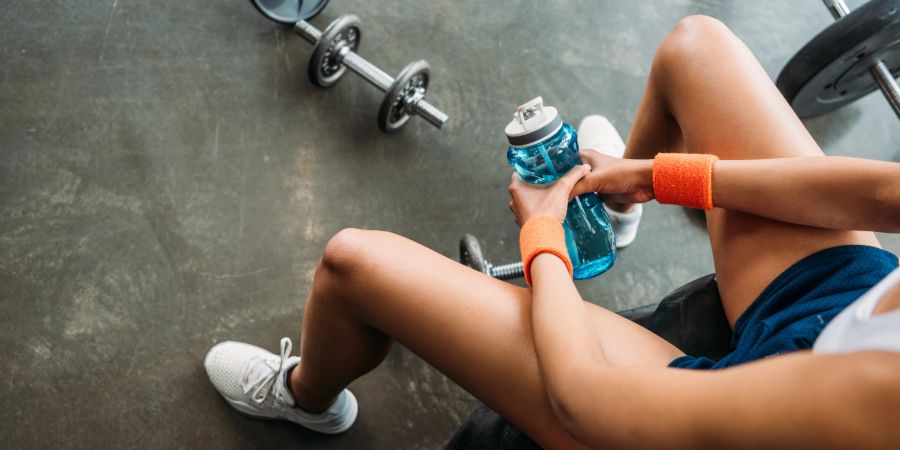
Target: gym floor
[[169, 178]]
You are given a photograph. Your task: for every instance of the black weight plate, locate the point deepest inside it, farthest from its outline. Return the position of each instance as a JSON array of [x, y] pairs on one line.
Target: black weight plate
[[324, 69], [393, 113], [833, 68], [289, 11], [470, 253]]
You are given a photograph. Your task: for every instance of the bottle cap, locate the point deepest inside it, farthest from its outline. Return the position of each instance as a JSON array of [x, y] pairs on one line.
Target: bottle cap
[[532, 123]]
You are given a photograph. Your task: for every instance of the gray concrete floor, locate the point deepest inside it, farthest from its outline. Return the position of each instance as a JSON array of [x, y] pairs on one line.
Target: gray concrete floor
[[169, 177]]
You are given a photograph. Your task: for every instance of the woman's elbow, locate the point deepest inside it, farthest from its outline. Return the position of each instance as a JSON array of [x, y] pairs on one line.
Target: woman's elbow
[[565, 411], [572, 421], [574, 405]]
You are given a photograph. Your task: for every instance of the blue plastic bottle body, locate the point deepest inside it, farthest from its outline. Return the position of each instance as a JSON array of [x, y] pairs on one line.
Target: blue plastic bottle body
[[589, 237]]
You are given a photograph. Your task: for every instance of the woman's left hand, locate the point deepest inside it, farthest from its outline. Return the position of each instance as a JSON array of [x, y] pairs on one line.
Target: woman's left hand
[[529, 200]]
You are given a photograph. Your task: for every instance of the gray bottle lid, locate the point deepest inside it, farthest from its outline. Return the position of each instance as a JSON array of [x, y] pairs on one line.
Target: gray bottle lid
[[533, 122]]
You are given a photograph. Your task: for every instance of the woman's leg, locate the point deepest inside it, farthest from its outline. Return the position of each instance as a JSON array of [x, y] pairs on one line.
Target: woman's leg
[[374, 287], [708, 94]]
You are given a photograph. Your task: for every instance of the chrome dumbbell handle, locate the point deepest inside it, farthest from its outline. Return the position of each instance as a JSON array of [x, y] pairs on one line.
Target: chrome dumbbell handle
[[879, 70], [365, 69], [371, 73]]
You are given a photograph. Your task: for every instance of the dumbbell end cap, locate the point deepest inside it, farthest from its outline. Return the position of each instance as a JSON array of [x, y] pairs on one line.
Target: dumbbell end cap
[[431, 114]]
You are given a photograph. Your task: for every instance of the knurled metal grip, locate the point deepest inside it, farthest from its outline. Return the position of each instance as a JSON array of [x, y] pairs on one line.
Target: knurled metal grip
[[308, 32], [428, 112], [470, 254], [334, 51]]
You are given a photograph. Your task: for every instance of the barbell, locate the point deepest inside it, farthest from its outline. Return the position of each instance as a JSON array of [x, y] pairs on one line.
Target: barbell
[[858, 53]]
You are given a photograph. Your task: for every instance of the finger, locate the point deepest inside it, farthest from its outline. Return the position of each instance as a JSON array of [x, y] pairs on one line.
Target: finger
[[514, 182], [590, 183], [567, 182], [583, 185], [590, 156]]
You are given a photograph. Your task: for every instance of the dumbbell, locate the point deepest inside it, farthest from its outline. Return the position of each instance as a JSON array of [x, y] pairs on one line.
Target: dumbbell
[[334, 51], [857, 54], [470, 255]]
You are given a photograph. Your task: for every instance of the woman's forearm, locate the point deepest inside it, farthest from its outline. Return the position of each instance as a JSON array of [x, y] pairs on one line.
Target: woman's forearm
[[828, 192], [564, 336]]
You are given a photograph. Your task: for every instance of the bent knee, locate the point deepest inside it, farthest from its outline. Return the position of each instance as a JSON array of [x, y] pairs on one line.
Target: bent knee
[[351, 249], [690, 38], [345, 249], [699, 24], [697, 30]]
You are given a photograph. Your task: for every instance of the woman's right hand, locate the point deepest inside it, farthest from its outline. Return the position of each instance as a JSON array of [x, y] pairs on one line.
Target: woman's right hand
[[617, 180]]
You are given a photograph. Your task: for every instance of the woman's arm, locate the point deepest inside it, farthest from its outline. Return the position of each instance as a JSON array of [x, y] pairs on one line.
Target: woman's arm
[[827, 192], [802, 400], [794, 401], [564, 336]]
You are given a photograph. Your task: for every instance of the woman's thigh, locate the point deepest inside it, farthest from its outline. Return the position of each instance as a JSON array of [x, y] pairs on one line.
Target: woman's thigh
[[473, 328], [725, 104]]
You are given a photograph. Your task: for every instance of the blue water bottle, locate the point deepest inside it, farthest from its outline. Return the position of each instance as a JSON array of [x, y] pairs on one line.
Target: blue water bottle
[[542, 148]]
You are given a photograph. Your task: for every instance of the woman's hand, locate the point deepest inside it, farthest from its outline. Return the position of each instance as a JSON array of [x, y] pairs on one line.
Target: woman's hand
[[529, 200], [617, 180]]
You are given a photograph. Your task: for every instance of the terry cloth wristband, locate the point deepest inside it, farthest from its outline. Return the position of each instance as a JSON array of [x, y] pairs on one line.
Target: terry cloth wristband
[[542, 234], [684, 179]]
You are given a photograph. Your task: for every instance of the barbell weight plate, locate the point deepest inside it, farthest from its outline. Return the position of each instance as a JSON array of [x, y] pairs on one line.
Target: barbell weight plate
[[413, 80], [324, 68], [832, 69], [289, 11]]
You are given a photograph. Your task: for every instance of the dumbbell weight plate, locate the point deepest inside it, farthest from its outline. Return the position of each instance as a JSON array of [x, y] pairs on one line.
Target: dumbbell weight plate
[[470, 253], [324, 66], [833, 68], [412, 81], [289, 12]]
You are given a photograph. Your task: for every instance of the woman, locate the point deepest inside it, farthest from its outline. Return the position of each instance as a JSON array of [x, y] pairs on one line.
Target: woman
[[571, 374]]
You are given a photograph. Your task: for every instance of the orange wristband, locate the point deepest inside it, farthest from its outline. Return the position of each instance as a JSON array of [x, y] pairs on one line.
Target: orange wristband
[[684, 179], [542, 234]]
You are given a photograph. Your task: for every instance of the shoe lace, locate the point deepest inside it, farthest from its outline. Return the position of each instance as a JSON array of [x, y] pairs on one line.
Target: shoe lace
[[261, 375]]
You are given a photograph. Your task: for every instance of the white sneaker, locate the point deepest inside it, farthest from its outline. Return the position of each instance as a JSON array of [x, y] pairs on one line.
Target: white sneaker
[[625, 225], [595, 132], [254, 382]]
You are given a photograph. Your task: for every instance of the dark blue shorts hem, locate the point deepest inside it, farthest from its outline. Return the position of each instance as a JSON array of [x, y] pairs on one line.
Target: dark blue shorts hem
[[794, 308]]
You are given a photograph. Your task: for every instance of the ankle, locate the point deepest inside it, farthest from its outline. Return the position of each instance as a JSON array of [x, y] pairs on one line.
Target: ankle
[[304, 397]]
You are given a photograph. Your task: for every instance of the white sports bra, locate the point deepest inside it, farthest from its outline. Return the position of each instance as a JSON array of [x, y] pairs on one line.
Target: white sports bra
[[855, 328]]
